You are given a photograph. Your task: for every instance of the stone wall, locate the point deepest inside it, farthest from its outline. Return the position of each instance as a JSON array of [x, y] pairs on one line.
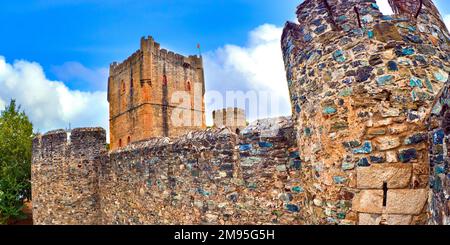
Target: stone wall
[[362, 87], [65, 176], [204, 177], [142, 94], [232, 118]]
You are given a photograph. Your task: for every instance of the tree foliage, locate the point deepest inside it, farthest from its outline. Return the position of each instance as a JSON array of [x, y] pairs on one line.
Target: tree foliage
[[16, 134]]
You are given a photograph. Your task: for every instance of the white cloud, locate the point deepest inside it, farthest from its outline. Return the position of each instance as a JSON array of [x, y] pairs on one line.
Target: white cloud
[[385, 7], [81, 76], [50, 104], [257, 66]]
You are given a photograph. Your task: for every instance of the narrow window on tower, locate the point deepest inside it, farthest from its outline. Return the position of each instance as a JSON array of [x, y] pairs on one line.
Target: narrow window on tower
[[188, 86], [120, 142], [128, 140]]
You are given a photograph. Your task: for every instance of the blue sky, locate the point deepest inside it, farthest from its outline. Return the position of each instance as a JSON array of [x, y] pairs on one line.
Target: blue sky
[[55, 54]]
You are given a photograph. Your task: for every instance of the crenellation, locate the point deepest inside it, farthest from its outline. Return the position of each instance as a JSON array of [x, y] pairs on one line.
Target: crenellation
[[136, 57], [54, 144]]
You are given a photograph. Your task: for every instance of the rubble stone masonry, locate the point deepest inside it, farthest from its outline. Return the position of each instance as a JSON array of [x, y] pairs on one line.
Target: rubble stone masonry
[[363, 87], [233, 118]]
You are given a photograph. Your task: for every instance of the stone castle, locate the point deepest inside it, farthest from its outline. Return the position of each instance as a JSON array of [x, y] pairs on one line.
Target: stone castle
[[367, 143]]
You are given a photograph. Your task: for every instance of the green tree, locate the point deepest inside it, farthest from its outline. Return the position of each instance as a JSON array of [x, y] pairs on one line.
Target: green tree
[[16, 135]]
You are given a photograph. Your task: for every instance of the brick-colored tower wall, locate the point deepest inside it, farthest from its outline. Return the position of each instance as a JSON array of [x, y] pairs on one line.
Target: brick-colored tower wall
[[141, 95], [65, 170], [362, 89]]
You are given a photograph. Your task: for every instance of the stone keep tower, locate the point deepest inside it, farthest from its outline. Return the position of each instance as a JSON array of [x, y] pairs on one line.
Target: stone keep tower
[[363, 87], [155, 93]]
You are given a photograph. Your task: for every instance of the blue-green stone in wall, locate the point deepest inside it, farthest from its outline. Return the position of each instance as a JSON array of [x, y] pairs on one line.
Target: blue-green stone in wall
[[415, 82], [346, 92], [429, 85], [339, 180], [339, 56], [265, 144], [348, 166], [363, 162]]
